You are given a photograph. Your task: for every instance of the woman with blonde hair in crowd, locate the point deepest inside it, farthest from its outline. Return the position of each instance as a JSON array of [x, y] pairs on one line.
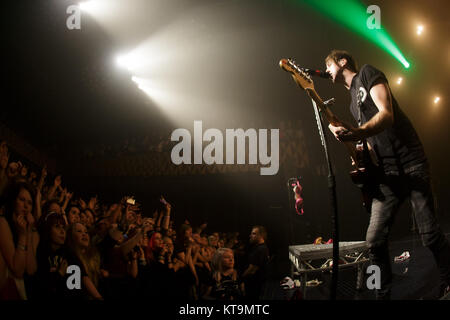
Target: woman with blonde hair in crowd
[[86, 257], [225, 283]]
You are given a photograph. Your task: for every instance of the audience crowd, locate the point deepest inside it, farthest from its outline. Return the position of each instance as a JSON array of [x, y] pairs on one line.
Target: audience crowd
[[53, 246]]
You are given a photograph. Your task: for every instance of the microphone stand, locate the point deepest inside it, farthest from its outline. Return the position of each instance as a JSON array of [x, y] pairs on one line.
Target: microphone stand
[[333, 199]]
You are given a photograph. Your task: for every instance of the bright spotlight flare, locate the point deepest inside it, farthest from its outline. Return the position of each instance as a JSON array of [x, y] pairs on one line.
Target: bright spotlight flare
[[88, 6], [126, 62], [121, 61], [130, 61], [419, 29], [436, 100], [399, 80]]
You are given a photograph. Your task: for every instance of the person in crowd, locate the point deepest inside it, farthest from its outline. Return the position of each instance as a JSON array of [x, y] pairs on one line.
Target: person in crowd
[[51, 206], [172, 261], [258, 257], [163, 217], [73, 214], [121, 254], [18, 240], [225, 284], [213, 241], [49, 281], [201, 259], [87, 218], [231, 240], [187, 274], [158, 277], [86, 257]]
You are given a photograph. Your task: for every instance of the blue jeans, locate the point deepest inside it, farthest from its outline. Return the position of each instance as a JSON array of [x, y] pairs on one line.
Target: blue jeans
[[388, 195]]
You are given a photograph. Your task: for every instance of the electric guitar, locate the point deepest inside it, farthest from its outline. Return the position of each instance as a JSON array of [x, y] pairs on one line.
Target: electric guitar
[[363, 159]]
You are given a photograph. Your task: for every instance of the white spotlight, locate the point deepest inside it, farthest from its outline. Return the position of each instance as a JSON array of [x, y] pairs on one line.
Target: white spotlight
[[122, 61], [436, 100], [399, 80], [87, 5], [419, 30], [129, 61]]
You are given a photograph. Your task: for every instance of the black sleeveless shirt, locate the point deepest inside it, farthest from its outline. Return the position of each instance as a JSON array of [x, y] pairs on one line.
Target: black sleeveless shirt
[[398, 148]]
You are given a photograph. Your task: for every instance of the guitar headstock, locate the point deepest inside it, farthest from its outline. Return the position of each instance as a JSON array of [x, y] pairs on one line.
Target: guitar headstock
[[301, 77]]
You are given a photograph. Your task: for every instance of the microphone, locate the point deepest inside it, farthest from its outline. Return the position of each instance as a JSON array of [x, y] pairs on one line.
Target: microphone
[[317, 73]]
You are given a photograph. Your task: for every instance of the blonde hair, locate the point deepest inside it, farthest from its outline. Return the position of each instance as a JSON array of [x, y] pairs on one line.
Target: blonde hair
[[216, 264], [90, 259]]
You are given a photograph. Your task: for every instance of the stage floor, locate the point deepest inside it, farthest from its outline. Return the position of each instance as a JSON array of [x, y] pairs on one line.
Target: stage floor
[[414, 279]]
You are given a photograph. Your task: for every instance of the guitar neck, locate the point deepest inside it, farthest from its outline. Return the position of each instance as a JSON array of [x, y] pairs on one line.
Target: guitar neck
[[323, 108], [331, 119]]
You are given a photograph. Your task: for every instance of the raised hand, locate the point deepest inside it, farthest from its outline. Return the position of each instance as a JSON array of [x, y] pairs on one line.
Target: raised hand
[[21, 224], [167, 205], [30, 219], [63, 267], [42, 179], [82, 204], [69, 195], [92, 203]]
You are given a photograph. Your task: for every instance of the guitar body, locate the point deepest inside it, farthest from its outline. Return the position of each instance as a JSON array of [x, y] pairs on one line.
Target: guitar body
[[363, 174], [362, 159]]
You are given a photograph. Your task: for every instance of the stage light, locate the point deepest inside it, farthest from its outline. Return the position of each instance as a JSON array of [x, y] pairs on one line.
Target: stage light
[[125, 61], [419, 29], [130, 61], [142, 83], [87, 6], [436, 100], [353, 15], [121, 61], [399, 80], [97, 8]]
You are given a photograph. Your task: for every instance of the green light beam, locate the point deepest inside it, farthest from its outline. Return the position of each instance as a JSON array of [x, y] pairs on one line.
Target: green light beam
[[353, 15]]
